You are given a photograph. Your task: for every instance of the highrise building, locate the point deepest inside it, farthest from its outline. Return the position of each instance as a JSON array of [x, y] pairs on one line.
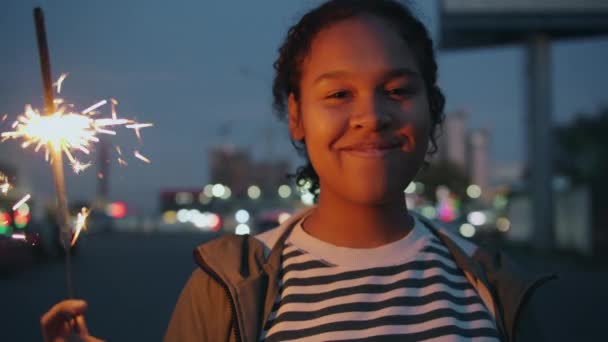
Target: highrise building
[[466, 149], [479, 165], [452, 142]]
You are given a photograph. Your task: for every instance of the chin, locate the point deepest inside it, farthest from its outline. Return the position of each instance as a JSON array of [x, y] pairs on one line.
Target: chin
[[375, 194]]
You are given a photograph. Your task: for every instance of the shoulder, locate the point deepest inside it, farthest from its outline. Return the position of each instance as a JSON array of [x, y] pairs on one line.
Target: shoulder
[[191, 319], [269, 238], [201, 288]]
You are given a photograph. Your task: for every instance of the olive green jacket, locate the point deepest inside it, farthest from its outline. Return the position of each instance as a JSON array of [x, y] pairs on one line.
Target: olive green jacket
[[230, 295]]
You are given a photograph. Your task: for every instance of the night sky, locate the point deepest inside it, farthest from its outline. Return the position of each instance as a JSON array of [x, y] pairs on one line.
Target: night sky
[[196, 67]]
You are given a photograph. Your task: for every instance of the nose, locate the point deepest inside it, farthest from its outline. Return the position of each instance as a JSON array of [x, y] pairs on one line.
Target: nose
[[370, 114]]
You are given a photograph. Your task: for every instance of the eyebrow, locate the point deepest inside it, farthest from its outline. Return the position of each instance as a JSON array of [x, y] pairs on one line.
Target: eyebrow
[[337, 74]]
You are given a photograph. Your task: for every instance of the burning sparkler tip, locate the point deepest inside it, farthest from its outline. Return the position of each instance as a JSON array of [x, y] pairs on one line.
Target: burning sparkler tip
[[68, 131]]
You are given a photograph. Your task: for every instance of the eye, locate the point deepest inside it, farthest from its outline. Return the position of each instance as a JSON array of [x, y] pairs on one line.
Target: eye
[[339, 95], [401, 93]]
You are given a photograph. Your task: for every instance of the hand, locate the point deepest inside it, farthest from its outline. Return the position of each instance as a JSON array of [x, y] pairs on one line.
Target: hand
[[64, 322]]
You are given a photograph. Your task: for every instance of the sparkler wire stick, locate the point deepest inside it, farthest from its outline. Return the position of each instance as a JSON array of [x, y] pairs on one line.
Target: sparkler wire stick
[[56, 152]]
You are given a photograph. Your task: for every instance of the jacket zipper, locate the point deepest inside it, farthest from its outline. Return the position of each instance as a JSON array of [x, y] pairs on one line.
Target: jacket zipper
[[216, 277]]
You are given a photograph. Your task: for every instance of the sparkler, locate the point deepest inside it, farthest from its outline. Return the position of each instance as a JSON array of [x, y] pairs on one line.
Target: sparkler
[[66, 131], [54, 144], [63, 131]]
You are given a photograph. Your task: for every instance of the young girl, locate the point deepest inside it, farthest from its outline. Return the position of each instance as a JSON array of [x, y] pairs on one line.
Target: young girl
[[356, 81]]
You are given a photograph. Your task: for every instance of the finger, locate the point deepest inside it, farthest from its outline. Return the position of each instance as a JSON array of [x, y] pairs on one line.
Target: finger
[[62, 328], [81, 325], [56, 321], [64, 310]]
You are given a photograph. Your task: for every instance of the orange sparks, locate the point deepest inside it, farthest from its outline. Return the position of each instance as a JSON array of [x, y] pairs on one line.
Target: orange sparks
[[95, 106], [78, 167], [137, 127], [21, 202], [60, 82], [4, 184], [81, 223], [140, 157], [114, 104], [68, 131]]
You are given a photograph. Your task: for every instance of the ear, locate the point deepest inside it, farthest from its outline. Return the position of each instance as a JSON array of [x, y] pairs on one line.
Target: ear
[[296, 128]]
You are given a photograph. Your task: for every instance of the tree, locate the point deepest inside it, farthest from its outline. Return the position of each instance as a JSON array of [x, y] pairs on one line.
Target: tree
[[582, 148]]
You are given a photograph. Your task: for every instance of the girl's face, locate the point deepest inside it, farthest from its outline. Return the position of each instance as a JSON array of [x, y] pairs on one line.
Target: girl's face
[[363, 111]]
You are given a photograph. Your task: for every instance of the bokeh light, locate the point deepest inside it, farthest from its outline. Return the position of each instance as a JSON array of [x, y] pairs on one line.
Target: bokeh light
[[254, 192], [473, 191], [467, 230]]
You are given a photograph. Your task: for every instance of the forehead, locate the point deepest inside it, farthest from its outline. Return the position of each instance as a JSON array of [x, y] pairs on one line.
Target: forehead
[[362, 45]]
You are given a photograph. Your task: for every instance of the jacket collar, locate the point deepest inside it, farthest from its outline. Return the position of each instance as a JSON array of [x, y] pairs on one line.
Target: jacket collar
[[251, 275]]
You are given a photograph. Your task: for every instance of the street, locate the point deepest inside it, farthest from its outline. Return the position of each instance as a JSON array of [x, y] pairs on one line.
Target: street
[[132, 280]]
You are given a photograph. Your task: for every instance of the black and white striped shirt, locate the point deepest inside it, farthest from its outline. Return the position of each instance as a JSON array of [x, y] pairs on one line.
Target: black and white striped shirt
[[408, 290]]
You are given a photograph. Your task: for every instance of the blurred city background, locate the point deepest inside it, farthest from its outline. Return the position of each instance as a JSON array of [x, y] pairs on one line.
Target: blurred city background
[[521, 163]]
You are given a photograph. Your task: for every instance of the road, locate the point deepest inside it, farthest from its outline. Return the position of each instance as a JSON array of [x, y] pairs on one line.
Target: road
[[130, 280]]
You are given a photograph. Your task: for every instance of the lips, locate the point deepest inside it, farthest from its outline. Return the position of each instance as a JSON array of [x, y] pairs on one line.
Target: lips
[[374, 149]]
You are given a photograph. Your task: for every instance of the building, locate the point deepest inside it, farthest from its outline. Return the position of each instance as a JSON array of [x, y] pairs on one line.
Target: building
[[452, 143], [230, 166], [479, 158], [467, 149], [534, 24], [236, 169]]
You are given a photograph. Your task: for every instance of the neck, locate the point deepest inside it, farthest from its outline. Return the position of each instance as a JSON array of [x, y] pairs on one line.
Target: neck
[[347, 224]]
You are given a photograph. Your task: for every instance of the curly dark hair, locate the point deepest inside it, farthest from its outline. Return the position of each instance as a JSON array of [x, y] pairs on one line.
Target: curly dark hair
[[296, 46]]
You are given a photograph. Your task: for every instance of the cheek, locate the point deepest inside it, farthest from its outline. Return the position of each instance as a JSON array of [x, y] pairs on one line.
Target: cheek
[[417, 125], [323, 126]]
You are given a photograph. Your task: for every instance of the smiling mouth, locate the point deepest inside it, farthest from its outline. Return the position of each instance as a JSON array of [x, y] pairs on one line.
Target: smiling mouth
[[374, 151]]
